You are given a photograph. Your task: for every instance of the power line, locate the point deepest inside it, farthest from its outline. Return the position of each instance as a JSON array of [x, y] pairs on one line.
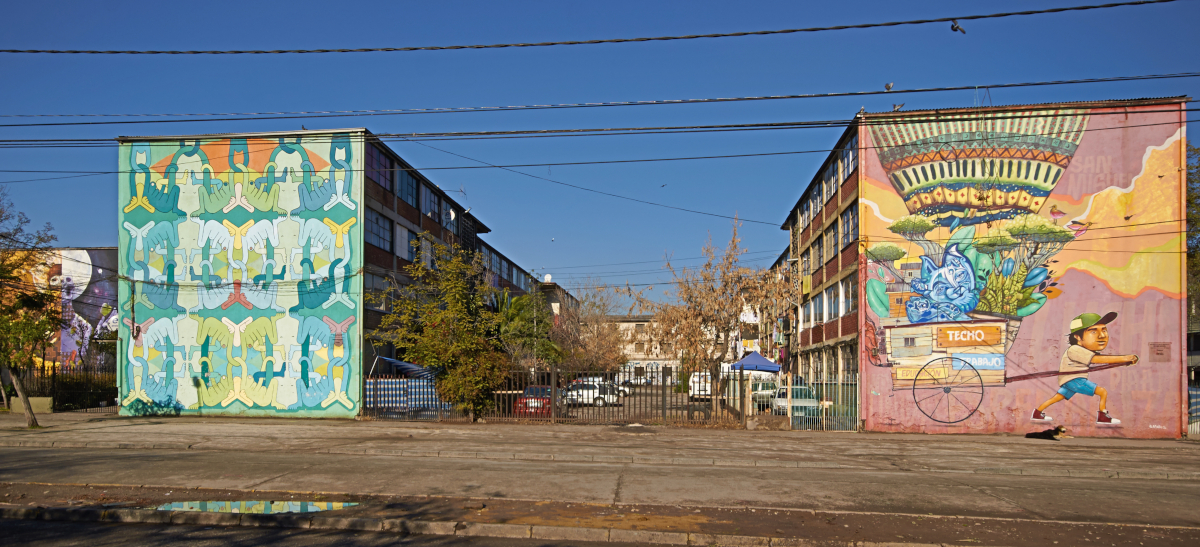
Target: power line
[[647, 261], [874, 120], [588, 42], [601, 192], [243, 116]]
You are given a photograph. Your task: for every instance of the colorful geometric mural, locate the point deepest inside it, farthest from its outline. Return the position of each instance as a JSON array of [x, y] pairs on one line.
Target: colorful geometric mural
[[1024, 268], [241, 275]]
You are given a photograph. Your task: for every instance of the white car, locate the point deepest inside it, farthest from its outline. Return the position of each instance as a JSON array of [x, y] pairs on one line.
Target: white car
[[700, 386], [762, 393], [804, 403], [595, 394]]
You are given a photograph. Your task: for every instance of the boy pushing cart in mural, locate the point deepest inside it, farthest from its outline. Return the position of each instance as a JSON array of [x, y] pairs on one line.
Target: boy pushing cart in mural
[[1088, 337]]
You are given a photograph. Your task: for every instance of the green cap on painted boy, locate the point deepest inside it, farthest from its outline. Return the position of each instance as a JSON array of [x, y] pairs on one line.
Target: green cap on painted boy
[[1088, 320]]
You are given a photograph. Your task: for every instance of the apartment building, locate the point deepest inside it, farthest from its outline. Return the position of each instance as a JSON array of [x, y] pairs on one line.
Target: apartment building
[[243, 260], [952, 260]]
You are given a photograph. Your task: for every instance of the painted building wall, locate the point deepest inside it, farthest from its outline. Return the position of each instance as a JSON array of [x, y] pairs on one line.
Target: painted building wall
[[241, 259], [1016, 224], [86, 282]]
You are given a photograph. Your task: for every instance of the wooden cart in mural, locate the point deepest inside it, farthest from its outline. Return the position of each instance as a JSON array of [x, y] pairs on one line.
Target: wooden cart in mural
[[948, 365]]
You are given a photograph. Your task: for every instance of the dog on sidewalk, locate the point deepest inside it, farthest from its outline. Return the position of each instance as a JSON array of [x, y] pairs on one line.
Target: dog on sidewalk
[[1052, 434]]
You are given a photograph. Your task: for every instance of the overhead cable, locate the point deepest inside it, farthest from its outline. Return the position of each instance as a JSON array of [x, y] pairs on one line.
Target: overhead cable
[[244, 116], [589, 42]]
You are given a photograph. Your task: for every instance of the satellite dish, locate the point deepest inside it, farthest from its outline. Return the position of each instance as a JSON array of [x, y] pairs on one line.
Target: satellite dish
[[448, 216], [547, 278]]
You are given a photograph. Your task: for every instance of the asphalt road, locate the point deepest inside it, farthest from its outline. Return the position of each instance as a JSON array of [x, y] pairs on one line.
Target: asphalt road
[[69, 534], [1132, 501]]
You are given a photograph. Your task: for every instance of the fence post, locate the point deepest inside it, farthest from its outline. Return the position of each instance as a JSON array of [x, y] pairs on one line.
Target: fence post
[[553, 394]]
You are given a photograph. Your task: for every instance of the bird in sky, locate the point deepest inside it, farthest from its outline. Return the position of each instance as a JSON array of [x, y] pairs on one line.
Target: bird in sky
[[889, 85], [663, 186], [897, 107], [1079, 227], [955, 28], [1056, 213]]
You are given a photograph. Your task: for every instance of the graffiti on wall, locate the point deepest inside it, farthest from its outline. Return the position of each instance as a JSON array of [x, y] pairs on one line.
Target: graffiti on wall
[[241, 275], [1004, 278]]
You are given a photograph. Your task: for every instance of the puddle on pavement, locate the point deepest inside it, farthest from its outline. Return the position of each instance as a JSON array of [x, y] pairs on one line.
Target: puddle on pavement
[[255, 507]]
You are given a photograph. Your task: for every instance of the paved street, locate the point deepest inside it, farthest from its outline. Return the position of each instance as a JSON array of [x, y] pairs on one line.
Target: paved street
[[856, 474]]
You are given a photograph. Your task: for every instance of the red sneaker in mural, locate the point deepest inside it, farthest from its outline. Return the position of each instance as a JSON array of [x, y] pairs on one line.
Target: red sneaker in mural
[[1104, 419], [1039, 417]]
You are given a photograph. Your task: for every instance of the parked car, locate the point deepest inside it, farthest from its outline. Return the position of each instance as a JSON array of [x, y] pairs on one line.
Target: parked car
[[804, 403], [595, 394], [637, 381], [700, 386], [762, 393], [534, 402]]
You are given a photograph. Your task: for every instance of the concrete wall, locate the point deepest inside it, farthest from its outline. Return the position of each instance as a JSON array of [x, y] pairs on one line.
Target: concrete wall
[[1020, 223], [242, 260]]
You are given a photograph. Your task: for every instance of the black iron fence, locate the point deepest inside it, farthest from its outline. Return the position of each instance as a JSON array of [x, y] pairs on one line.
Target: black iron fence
[[84, 387], [580, 397]]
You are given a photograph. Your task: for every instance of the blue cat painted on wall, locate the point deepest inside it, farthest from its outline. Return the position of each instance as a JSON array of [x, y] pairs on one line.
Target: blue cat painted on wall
[[946, 292]]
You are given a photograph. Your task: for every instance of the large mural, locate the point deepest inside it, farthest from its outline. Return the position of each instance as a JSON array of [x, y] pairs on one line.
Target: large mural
[[241, 275], [1023, 271]]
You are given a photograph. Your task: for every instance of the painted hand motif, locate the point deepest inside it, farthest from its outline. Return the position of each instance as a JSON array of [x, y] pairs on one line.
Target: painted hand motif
[[236, 233], [237, 297], [263, 298], [263, 231], [138, 235], [216, 332], [162, 391], [211, 298], [138, 329], [236, 329], [137, 376], [261, 331], [339, 230], [213, 234], [314, 199], [139, 200], [339, 196], [162, 200], [237, 200], [263, 200]]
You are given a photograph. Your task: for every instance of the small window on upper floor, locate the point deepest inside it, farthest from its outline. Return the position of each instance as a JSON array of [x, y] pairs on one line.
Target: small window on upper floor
[[379, 230], [406, 186]]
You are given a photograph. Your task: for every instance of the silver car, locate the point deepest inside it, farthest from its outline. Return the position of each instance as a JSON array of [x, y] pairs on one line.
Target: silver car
[[599, 394], [804, 403]]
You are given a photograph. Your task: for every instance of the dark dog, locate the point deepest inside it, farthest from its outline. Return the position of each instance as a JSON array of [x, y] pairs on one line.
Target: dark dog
[[1054, 434]]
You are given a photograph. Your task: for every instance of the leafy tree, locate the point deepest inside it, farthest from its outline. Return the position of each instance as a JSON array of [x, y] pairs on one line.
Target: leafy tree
[[525, 325], [585, 332], [28, 314], [444, 321]]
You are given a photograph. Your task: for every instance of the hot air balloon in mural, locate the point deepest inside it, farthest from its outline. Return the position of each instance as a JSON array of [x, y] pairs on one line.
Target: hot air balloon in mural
[[972, 168]]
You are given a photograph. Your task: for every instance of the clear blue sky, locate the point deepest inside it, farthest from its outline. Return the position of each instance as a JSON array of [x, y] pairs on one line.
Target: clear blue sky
[[524, 213]]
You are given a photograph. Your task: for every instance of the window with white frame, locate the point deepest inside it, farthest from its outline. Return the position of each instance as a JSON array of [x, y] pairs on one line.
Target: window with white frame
[[850, 156], [818, 303], [818, 251], [850, 292], [379, 230], [832, 308], [831, 180], [805, 214], [806, 315], [814, 197], [850, 224], [831, 241]]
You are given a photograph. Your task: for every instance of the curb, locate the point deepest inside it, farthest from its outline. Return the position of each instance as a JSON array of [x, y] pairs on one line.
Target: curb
[[639, 460], [420, 527]]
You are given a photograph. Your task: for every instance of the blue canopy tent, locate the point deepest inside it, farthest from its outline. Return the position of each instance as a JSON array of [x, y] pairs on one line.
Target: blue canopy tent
[[407, 370], [755, 362]]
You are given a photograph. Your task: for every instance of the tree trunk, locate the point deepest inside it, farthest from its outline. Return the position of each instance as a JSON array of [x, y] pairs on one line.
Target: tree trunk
[[3, 392], [30, 420]]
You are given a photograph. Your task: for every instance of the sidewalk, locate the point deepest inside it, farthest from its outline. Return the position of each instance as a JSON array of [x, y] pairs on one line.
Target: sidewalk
[[992, 454]]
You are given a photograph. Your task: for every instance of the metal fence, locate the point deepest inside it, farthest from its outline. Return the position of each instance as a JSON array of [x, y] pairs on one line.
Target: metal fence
[[84, 387], [579, 397], [1193, 411], [836, 408]]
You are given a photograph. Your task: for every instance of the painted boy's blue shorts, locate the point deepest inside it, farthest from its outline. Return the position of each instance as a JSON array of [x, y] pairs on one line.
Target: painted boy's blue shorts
[[1083, 386]]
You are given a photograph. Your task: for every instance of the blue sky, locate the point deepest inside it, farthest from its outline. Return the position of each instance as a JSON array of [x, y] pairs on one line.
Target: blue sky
[[541, 226]]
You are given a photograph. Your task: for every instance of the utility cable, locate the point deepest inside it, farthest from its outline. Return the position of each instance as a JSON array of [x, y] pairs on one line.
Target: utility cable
[[240, 116], [953, 19]]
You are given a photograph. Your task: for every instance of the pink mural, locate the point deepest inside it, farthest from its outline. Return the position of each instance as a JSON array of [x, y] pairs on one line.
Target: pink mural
[[1023, 270]]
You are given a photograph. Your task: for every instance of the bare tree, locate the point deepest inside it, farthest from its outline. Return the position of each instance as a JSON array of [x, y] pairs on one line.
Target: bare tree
[[588, 337], [696, 323]]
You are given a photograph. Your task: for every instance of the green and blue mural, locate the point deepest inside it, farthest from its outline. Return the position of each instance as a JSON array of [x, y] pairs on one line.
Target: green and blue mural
[[240, 275]]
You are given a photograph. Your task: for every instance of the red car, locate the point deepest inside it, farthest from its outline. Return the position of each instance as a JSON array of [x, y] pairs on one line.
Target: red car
[[535, 402]]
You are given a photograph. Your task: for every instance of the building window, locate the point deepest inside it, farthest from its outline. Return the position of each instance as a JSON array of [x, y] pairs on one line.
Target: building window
[[413, 246], [849, 362], [376, 287], [850, 292], [450, 220], [818, 253], [831, 241], [805, 264], [806, 315], [850, 225], [379, 167], [831, 180], [379, 230], [640, 328], [850, 156], [639, 347], [818, 303], [805, 214], [430, 205], [406, 187], [814, 197], [831, 303], [910, 341]]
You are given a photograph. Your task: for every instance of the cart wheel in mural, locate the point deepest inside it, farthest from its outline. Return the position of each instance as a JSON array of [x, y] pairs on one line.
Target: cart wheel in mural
[[948, 390]]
